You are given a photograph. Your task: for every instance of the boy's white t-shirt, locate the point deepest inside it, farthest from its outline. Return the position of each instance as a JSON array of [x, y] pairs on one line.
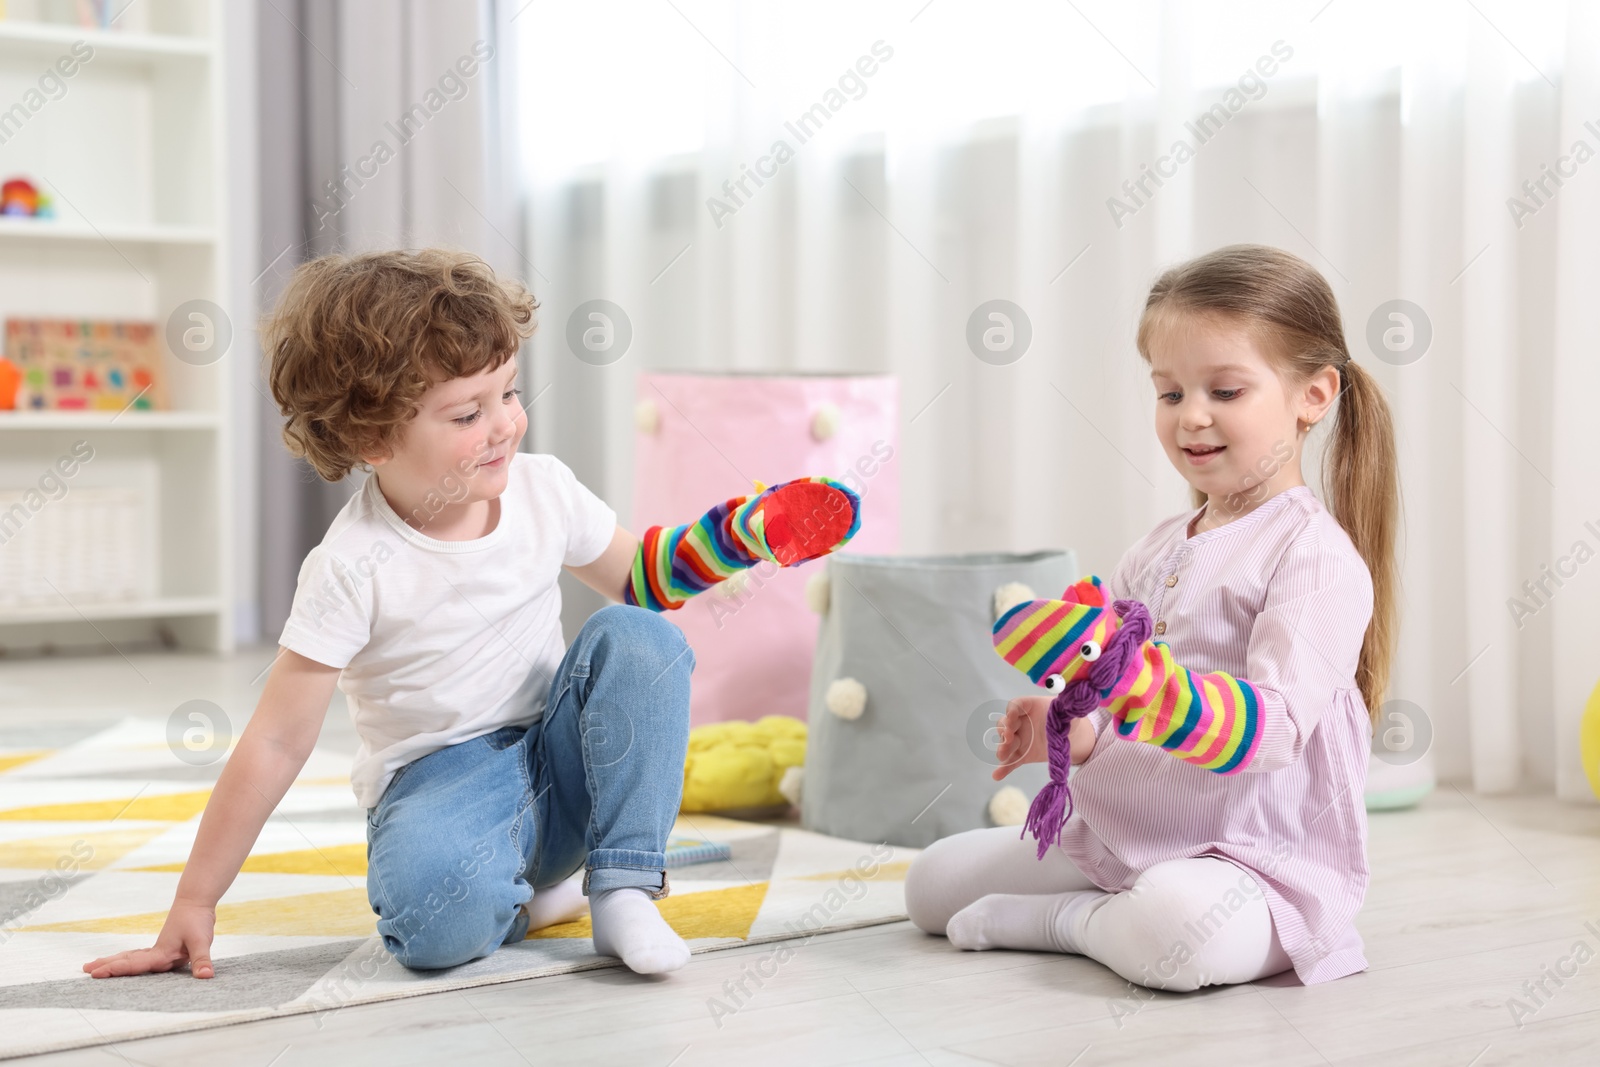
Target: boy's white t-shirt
[[442, 641]]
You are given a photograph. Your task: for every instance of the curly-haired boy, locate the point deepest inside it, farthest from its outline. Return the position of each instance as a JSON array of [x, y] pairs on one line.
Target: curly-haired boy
[[494, 763]]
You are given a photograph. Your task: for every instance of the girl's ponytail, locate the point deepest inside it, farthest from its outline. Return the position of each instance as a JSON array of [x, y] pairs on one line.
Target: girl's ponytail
[[1360, 477]]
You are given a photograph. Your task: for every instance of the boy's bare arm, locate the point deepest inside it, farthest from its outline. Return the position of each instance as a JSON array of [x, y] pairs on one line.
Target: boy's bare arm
[[609, 574], [274, 746]]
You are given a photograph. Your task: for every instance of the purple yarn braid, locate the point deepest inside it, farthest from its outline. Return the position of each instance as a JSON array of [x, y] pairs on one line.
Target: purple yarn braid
[[1079, 698]]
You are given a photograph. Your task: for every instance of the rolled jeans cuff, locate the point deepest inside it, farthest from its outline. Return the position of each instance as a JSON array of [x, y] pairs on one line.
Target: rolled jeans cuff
[[618, 868]]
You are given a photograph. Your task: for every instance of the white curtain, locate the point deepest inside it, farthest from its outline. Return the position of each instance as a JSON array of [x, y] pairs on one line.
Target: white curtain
[[381, 125], [978, 161]]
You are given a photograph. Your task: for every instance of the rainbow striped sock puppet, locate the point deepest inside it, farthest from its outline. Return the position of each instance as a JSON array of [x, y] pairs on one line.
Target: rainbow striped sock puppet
[[1091, 657], [787, 524]]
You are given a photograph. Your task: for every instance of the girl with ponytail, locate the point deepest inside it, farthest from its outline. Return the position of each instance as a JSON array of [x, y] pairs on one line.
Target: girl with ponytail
[[1214, 700]]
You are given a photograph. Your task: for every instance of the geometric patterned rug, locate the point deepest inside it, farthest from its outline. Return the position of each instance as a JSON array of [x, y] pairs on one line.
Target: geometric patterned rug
[[96, 823]]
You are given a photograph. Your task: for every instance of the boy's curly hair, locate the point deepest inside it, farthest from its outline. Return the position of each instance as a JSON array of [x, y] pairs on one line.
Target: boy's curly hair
[[357, 339]]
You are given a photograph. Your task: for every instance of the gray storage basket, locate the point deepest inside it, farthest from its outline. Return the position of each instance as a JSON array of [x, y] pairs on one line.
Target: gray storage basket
[[917, 633]]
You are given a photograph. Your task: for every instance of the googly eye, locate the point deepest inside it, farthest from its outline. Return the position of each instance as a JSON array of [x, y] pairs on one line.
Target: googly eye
[[1055, 683], [1089, 651]]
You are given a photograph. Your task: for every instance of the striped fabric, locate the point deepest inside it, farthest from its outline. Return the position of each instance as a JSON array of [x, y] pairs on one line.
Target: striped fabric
[[1042, 637], [786, 524], [1210, 720]]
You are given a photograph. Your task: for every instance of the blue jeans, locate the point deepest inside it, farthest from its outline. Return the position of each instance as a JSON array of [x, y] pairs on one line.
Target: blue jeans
[[463, 836]]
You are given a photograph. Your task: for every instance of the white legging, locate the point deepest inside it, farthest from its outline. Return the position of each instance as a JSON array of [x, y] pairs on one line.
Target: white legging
[[1178, 928]]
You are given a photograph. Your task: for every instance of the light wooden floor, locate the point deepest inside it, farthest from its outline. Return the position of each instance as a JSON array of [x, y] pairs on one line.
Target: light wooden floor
[[1472, 896]]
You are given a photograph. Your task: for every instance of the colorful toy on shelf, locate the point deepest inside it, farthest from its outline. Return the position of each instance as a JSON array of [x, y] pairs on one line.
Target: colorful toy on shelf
[[85, 365], [738, 765], [19, 196], [10, 380]]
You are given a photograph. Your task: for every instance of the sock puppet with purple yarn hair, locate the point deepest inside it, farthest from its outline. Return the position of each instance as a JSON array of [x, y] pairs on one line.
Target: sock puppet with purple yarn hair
[[1092, 655]]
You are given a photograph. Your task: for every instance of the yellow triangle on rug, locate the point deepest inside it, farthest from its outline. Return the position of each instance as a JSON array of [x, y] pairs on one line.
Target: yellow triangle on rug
[[709, 913], [12, 760], [889, 872], [93, 851], [339, 913], [347, 913], [171, 807], [347, 860]]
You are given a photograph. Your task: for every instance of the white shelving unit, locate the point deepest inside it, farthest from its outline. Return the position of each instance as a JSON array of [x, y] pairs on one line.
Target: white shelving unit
[[133, 154]]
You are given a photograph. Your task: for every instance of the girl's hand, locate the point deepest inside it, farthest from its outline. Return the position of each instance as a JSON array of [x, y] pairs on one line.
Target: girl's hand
[[185, 936], [1023, 740], [1022, 734]]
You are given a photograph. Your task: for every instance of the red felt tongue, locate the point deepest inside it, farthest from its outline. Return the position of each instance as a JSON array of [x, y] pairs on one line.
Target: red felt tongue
[[805, 520]]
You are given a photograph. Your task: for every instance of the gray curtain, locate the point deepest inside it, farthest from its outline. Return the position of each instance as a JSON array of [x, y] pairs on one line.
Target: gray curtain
[[372, 134]]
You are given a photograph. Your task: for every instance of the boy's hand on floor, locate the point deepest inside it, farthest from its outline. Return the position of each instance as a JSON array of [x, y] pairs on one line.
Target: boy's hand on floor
[[186, 936], [1022, 734]]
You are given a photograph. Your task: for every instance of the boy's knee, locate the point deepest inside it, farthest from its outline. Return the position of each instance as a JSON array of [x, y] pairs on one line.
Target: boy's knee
[[424, 939], [649, 639], [428, 953], [436, 909], [636, 626], [629, 620]]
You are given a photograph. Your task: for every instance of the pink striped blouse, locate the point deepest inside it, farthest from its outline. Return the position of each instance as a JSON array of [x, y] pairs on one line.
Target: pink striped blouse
[[1279, 597]]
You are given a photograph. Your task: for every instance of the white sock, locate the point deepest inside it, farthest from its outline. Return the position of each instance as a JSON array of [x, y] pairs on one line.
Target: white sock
[[628, 926], [1042, 922], [559, 903]]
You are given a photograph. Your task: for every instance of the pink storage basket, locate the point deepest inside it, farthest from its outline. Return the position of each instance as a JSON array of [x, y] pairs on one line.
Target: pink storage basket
[[703, 438]]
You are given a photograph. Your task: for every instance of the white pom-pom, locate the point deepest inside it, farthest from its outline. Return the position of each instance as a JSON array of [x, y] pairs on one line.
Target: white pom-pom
[[733, 586], [647, 416], [825, 423], [846, 698], [1009, 596], [817, 592], [791, 783], [1008, 807]]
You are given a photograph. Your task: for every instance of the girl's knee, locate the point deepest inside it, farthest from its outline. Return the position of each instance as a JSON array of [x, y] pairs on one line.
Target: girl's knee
[[1179, 932], [921, 878], [932, 886], [1180, 968], [1173, 971]]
